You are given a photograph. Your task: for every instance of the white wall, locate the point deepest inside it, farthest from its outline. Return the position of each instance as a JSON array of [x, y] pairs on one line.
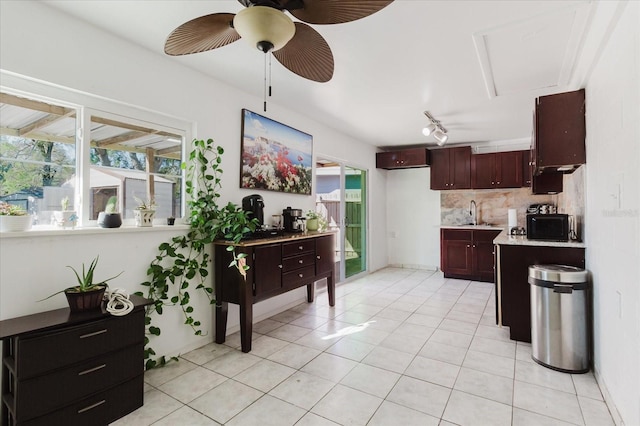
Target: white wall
[[612, 226], [413, 219], [42, 43]]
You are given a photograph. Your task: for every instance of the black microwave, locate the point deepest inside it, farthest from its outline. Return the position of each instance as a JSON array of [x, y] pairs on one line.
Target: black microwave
[[548, 227]]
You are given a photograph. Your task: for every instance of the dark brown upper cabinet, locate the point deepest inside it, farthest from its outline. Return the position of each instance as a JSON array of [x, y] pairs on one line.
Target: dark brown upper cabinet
[[559, 132], [402, 159], [496, 170], [545, 183], [451, 168]]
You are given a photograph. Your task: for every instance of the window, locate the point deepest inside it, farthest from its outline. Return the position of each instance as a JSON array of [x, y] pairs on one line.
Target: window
[[41, 164]]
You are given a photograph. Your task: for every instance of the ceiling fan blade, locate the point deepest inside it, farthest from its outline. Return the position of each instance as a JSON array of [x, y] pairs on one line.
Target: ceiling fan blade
[[335, 11], [201, 34], [307, 54]]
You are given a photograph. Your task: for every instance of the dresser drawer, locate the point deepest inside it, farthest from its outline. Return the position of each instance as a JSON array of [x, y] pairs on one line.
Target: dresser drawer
[[298, 277], [298, 247], [99, 409], [61, 387], [45, 351], [297, 262]]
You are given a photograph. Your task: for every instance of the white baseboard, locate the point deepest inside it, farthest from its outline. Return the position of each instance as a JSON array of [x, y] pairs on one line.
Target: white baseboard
[[617, 419], [413, 266]]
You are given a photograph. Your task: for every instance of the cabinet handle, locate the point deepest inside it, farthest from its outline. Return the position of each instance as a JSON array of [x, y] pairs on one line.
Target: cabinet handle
[[91, 370], [95, 333], [299, 247], [91, 407], [318, 257], [468, 246], [498, 182], [301, 261], [280, 266], [300, 275], [493, 183]]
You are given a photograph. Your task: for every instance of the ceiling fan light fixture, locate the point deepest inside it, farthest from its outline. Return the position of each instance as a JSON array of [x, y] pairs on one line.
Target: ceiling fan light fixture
[[264, 27], [429, 129], [441, 137]]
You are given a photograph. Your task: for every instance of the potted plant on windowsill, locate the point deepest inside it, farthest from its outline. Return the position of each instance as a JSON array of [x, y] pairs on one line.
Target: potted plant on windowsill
[[145, 212], [87, 294], [110, 217], [65, 218], [13, 218]]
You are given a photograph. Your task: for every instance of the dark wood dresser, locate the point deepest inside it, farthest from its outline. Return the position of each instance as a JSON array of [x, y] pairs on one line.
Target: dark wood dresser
[[276, 265], [60, 368]]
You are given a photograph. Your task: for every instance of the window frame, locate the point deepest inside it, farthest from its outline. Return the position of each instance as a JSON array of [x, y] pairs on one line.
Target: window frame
[[86, 106]]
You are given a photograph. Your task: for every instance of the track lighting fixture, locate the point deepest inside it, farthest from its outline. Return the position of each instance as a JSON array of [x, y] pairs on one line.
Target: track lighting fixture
[[435, 128]]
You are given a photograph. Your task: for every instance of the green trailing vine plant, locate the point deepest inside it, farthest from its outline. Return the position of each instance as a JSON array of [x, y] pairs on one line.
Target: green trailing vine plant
[[183, 264]]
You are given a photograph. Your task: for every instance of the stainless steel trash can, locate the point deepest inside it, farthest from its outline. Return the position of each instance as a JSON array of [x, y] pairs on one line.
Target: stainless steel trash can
[[560, 317]]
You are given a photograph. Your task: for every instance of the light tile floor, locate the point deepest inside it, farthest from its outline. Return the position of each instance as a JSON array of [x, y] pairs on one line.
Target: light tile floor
[[401, 347]]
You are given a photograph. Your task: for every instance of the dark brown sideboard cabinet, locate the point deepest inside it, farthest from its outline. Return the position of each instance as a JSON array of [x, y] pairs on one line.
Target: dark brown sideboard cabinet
[[62, 368], [276, 265], [451, 168], [467, 253]]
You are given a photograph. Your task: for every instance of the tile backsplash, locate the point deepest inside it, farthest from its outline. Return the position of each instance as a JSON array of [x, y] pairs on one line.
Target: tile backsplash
[[493, 204]]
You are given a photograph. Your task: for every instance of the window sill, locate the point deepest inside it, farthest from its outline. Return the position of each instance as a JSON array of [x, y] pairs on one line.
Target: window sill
[[91, 230]]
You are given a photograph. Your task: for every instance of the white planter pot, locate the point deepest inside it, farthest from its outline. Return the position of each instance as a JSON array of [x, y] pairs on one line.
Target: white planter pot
[[144, 217], [65, 219], [15, 223]]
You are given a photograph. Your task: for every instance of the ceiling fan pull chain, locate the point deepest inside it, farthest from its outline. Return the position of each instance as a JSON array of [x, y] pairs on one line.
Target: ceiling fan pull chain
[[270, 56], [264, 91]]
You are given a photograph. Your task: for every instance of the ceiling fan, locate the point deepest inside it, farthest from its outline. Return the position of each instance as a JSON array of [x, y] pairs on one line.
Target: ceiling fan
[[263, 23]]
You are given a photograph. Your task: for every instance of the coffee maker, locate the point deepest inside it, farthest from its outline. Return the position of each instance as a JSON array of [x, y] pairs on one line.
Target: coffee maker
[[254, 204], [293, 220]]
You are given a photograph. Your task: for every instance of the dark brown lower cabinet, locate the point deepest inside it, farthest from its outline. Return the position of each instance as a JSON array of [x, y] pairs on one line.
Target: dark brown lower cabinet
[[276, 266], [60, 368], [467, 253], [513, 301]]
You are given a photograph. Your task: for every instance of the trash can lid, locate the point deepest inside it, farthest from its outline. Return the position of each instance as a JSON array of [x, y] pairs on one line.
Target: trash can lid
[[558, 273]]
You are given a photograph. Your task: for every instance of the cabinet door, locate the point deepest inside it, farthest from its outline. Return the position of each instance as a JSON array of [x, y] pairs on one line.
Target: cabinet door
[[439, 169], [483, 168], [483, 254], [508, 169], [456, 257], [415, 157], [268, 269], [387, 160], [460, 168], [560, 130], [325, 250], [526, 168]]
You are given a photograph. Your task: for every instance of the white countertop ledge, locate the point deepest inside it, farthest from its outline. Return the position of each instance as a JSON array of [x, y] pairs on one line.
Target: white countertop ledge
[[479, 227], [93, 230], [521, 240]]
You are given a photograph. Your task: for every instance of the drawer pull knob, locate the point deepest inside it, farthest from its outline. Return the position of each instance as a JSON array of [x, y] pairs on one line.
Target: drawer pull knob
[[301, 261], [300, 275], [318, 257], [91, 407], [299, 247], [95, 333], [280, 266], [91, 370]]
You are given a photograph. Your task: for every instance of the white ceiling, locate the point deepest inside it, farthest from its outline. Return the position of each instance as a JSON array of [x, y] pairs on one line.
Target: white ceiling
[[477, 66]]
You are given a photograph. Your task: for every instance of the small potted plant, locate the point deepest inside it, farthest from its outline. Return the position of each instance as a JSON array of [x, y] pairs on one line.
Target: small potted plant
[[312, 220], [145, 212], [65, 218], [110, 217], [13, 218], [87, 294]]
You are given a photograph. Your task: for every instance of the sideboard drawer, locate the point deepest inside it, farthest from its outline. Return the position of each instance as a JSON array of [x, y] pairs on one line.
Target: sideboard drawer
[[44, 351], [99, 409], [298, 247], [297, 262], [61, 387], [298, 277]]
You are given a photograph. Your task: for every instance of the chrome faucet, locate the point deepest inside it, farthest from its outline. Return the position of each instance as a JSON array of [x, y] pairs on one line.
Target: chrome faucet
[[473, 211]]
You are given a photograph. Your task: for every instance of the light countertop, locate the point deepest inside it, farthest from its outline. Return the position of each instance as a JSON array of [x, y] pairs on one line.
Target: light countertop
[[521, 240], [479, 227]]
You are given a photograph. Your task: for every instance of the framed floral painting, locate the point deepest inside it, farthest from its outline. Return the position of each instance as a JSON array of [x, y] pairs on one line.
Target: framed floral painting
[[274, 156]]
